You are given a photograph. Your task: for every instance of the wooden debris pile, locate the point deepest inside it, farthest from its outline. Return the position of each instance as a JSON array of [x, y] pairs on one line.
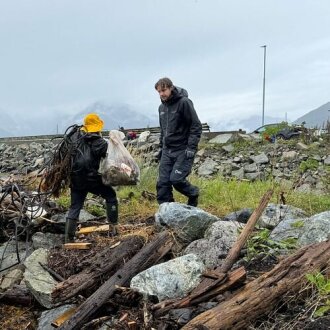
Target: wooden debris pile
[[98, 282]]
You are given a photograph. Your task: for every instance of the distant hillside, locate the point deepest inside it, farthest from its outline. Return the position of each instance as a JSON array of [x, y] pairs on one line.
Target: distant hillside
[[52, 122], [316, 118], [114, 116]]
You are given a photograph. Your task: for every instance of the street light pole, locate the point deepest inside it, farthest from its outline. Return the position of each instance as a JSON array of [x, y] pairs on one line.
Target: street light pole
[[263, 89]]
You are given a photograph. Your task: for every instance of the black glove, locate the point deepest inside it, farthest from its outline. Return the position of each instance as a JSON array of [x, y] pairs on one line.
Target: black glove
[[189, 153], [159, 155]]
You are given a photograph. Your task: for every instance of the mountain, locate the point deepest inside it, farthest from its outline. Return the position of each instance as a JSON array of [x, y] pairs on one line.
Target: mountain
[[316, 118], [52, 122], [114, 116]]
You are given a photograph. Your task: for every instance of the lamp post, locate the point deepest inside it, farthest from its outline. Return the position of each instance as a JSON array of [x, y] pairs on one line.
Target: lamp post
[[263, 89]]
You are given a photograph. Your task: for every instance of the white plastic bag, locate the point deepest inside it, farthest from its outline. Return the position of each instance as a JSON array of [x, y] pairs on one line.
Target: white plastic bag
[[118, 168]]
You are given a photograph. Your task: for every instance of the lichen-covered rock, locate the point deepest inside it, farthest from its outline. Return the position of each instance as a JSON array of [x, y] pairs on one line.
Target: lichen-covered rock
[[275, 213], [171, 279], [317, 229], [188, 222], [215, 245], [39, 281]]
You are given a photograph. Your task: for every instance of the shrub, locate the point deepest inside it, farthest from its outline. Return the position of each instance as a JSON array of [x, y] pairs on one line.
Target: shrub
[[309, 164]]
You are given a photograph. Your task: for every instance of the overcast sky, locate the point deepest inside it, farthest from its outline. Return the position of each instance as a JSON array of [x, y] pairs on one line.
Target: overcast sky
[[63, 55]]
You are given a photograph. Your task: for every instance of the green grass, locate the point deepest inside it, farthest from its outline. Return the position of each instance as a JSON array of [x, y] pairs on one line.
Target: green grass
[[217, 196]]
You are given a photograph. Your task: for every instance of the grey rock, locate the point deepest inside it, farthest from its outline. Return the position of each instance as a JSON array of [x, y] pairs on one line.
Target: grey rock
[[326, 161], [228, 148], [242, 215], [38, 281], [171, 279], [260, 159], [47, 240], [275, 213], [221, 139], [83, 217], [253, 176], [8, 255], [304, 188], [317, 158], [250, 168], [218, 240], [47, 317], [181, 315], [208, 167], [317, 229], [302, 146], [289, 155], [12, 277], [239, 174], [188, 222], [237, 159], [289, 228]]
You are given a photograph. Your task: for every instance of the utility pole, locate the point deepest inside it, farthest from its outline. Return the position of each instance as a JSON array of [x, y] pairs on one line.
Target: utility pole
[[264, 85]]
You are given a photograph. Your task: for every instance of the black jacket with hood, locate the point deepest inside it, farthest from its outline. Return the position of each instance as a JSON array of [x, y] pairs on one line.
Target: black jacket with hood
[[88, 151], [179, 124]]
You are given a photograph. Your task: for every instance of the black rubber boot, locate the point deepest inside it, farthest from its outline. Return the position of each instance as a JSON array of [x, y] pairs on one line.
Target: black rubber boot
[[70, 230], [193, 201], [112, 217], [112, 213]]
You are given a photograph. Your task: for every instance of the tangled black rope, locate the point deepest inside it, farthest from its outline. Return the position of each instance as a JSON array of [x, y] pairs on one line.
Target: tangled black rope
[[56, 177], [21, 208]]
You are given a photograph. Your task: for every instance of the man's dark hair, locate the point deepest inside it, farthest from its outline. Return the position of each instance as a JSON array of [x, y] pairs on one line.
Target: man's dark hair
[[164, 83]]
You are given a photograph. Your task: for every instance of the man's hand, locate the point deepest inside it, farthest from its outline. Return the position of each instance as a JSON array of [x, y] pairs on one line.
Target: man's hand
[[159, 155], [189, 153]]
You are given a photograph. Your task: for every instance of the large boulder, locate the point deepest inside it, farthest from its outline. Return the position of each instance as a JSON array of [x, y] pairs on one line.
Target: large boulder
[[317, 229], [171, 279], [188, 222], [38, 281], [218, 240], [275, 213], [222, 138], [289, 229]]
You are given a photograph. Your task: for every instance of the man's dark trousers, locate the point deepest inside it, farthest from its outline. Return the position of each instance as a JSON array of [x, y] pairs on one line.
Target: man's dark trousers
[[174, 168]]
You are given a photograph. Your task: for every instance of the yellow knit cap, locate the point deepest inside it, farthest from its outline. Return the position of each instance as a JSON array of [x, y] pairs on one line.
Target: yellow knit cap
[[92, 123]]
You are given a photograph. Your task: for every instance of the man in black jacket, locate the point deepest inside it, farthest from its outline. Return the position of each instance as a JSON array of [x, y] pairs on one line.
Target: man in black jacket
[[89, 148], [180, 133]]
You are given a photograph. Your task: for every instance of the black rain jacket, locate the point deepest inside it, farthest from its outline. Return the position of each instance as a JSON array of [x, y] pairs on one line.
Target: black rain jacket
[[86, 156], [180, 127]]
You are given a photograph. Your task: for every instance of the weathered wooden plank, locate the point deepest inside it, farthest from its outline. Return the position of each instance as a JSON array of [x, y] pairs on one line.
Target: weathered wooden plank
[[77, 246]]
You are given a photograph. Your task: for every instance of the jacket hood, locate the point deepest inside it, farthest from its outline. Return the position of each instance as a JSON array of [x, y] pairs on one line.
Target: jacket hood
[[177, 94], [91, 136]]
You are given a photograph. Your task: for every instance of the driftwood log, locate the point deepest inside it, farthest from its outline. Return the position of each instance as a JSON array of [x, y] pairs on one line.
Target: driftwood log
[[259, 296], [100, 266], [149, 255], [209, 287], [18, 295], [233, 280]]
